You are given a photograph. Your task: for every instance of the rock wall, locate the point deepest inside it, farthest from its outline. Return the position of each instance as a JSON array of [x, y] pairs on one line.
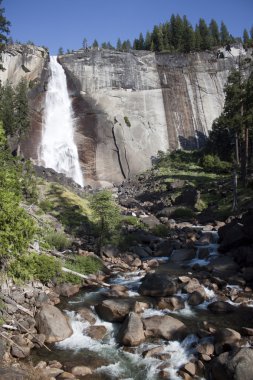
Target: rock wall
[[131, 105]]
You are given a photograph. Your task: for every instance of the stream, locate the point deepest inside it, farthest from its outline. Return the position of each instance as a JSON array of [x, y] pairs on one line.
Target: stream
[[108, 360]]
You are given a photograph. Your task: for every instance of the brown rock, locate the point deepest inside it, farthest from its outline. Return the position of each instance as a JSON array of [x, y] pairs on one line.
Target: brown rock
[[132, 333], [96, 332], [81, 371], [205, 348], [53, 324], [67, 289], [114, 310], [171, 303], [195, 298], [221, 307], [190, 368], [164, 327], [87, 315], [184, 254], [153, 352], [157, 284]]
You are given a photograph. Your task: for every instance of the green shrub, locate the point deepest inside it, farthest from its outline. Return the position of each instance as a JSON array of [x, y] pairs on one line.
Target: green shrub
[[212, 163], [57, 240], [127, 121], [46, 205], [33, 266], [84, 264], [182, 212], [160, 230]]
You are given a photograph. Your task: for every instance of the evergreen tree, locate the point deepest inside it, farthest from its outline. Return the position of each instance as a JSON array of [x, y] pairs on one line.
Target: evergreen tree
[[177, 30], [60, 51], [246, 38], [104, 45], [214, 33], [95, 44], [198, 39], [147, 43], [4, 31], [205, 43], [141, 42], [166, 36], [22, 122], [136, 44], [85, 43], [157, 38], [119, 44], [224, 34], [188, 43], [251, 33], [7, 109]]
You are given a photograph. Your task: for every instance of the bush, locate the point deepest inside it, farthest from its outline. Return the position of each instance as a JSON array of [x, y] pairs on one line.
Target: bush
[[212, 163], [160, 230], [182, 212], [57, 240], [35, 267], [84, 264], [127, 121]]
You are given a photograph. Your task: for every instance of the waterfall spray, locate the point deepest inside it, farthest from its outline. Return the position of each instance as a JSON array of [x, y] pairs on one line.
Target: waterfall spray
[[58, 149]]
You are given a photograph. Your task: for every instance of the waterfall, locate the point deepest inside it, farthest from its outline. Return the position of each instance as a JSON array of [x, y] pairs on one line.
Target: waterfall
[[58, 149]]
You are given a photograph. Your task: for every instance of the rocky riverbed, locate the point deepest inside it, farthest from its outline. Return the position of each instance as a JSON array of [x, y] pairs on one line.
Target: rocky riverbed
[[179, 307]]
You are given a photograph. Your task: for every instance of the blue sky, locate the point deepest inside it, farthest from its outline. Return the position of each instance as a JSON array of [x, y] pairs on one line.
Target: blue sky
[[65, 23]]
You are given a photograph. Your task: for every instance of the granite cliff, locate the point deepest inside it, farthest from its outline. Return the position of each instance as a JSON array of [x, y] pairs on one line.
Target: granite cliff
[[128, 105]]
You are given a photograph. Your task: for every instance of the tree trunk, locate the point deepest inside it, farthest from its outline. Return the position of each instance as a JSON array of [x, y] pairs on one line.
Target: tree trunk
[[235, 201]]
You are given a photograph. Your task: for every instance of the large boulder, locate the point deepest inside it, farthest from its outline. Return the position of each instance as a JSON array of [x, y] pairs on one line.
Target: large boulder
[[221, 307], [232, 236], [158, 284], [189, 197], [164, 327], [132, 333], [171, 303], [236, 365], [53, 324], [184, 254], [114, 310], [67, 289]]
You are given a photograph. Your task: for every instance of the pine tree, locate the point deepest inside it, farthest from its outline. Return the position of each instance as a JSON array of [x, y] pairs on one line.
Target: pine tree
[[136, 44], [141, 42], [188, 36], [177, 29], [60, 51], [246, 39], [85, 43], [198, 39], [157, 38], [95, 44], [147, 43], [119, 44], [214, 33], [22, 122], [4, 31], [224, 34], [7, 109], [166, 36], [205, 43]]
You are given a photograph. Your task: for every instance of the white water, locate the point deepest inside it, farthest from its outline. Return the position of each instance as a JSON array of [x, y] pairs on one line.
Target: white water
[[58, 150]]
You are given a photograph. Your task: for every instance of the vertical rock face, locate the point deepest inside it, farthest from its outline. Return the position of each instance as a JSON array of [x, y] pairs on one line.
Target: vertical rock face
[[130, 105]]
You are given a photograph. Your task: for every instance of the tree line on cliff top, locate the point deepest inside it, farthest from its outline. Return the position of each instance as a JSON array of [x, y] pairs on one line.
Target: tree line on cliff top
[[178, 35]]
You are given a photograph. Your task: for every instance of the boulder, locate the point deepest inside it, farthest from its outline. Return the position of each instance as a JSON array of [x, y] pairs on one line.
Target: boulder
[[221, 307], [150, 221], [236, 364], [164, 327], [67, 289], [157, 284], [53, 324], [109, 251], [132, 333], [114, 310], [96, 332], [171, 303], [226, 338], [81, 371], [196, 298], [87, 315], [179, 255], [232, 236]]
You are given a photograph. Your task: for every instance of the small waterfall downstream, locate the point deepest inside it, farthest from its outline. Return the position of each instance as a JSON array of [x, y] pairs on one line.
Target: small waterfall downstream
[[58, 149]]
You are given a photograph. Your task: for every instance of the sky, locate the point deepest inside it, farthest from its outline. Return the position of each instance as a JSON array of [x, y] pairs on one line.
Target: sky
[[65, 23]]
